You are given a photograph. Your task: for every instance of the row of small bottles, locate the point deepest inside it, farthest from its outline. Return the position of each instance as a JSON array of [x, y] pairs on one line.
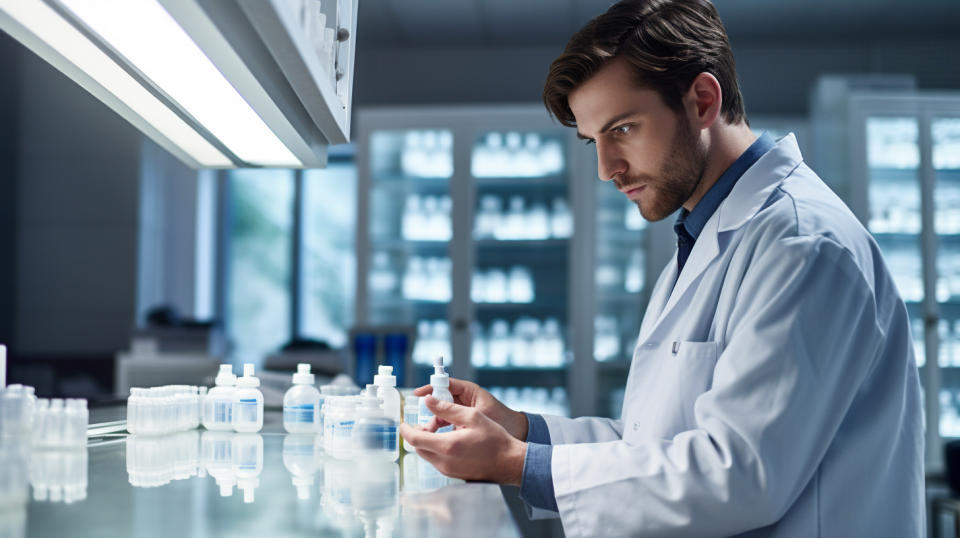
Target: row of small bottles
[[610, 276], [428, 279], [530, 343], [536, 400], [513, 154], [426, 218], [427, 153], [501, 286], [45, 423], [233, 404], [520, 223]]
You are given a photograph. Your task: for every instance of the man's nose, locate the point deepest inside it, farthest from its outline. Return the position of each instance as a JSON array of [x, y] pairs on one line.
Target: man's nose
[[610, 163]]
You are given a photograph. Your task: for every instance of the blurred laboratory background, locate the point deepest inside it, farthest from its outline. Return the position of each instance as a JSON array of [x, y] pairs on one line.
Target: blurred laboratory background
[[458, 219]]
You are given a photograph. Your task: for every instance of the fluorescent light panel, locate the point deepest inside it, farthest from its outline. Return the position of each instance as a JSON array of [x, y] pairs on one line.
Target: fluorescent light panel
[[145, 34], [75, 48]]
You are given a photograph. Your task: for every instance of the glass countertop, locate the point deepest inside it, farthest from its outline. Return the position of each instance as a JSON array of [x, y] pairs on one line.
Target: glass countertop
[[201, 483]]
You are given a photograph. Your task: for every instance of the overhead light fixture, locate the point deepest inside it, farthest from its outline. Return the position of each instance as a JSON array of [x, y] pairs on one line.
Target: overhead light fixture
[[213, 83]]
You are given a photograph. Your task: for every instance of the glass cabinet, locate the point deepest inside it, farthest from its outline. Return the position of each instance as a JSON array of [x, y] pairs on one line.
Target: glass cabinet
[[895, 158], [465, 233]]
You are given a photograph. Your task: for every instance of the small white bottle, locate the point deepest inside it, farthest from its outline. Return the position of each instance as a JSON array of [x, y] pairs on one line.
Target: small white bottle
[[76, 418], [411, 412], [374, 434], [218, 404], [387, 392], [248, 403], [301, 403], [440, 382]]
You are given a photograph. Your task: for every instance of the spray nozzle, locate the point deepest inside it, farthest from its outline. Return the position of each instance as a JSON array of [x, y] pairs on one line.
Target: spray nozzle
[[438, 366], [248, 370]]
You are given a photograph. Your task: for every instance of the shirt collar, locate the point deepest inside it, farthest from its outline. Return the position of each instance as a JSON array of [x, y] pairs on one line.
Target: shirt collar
[[690, 223]]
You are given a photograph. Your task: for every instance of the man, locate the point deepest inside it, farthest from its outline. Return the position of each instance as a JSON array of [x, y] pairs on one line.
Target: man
[[773, 390]]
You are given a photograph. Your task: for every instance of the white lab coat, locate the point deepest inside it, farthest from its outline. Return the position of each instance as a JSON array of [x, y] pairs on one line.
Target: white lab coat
[[773, 389]]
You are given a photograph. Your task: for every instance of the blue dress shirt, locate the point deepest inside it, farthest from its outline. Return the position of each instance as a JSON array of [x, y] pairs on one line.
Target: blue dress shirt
[[536, 486], [690, 223]]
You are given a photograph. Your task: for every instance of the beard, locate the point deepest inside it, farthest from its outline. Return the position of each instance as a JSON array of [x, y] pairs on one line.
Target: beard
[[678, 178]]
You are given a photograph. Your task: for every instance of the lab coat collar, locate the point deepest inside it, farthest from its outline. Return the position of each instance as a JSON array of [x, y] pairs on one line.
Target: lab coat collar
[[742, 204], [757, 183]]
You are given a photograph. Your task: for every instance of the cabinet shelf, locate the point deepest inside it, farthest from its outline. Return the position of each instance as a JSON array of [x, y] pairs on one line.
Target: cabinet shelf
[[510, 183]]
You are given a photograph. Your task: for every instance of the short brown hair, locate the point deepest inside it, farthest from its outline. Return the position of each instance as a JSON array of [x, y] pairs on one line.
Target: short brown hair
[[667, 42]]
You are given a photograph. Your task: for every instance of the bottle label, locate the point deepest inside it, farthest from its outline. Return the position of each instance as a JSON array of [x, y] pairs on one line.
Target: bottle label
[[223, 412], [247, 410], [298, 413]]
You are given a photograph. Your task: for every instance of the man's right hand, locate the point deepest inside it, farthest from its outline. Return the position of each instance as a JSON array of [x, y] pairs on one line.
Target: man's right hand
[[472, 395]]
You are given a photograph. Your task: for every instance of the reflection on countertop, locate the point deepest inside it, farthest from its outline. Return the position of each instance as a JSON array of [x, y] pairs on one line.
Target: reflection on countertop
[[159, 486]]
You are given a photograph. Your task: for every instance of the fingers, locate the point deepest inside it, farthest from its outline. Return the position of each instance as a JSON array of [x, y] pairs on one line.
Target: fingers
[[452, 413], [423, 391], [423, 440], [459, 386]]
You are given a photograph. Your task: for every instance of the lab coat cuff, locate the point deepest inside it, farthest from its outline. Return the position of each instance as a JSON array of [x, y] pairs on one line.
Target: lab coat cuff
[[536, 486], [537, 430]]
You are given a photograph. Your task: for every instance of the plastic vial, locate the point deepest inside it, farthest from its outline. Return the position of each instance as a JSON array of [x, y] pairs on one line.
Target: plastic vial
[[440, 382], [374, 434], [301, 403], [75, 423], [411, 412], [341, 430], [387, 392], [326, 392], [218, 404], [248, 403]]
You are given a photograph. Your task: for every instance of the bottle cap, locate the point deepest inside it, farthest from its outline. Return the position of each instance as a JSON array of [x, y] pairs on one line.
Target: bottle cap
[[303, 375], [385, 377], [225, 377], [440, 378], [248, 379]]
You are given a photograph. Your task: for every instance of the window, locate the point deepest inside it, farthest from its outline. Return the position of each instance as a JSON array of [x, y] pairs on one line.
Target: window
[[284, 224]]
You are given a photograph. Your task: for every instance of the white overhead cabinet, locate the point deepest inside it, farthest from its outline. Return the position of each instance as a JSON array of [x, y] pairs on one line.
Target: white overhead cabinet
[[219, 84], [898, 156]]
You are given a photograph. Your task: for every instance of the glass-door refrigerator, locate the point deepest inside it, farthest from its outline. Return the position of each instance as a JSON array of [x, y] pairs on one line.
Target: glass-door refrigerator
[[893, 155]]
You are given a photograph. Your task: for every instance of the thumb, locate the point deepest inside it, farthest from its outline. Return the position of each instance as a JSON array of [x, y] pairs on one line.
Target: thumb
[[453, 413]]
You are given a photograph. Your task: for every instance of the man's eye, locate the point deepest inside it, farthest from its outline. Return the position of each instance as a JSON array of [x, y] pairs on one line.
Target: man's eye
[[623, 129]]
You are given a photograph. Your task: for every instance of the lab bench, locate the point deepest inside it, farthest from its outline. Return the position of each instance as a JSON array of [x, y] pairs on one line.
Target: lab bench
[[200, 483]]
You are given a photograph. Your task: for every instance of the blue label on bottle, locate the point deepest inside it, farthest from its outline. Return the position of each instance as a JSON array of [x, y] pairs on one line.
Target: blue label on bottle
[[246, 410], [223, 412], [298, 413]]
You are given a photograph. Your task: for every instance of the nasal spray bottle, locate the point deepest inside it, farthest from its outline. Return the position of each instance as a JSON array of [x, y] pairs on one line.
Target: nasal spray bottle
[[248, 403], [440, 382], [301, 413]]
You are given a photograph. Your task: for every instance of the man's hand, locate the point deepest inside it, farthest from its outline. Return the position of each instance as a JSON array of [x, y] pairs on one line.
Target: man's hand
[[478, 449], [470, 394]]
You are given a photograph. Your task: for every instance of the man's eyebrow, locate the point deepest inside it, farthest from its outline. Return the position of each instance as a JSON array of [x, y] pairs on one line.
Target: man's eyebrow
[[609, 124]]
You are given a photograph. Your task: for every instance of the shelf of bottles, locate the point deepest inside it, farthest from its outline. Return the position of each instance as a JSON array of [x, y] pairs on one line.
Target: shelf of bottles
[[522, 229], [410, 231], [946, 163], [619, 282], [894, 191]]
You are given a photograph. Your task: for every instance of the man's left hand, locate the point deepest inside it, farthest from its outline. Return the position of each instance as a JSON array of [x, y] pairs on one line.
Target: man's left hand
[[478, 449]]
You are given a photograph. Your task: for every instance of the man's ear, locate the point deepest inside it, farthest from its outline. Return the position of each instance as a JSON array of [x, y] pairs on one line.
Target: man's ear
[[704, 100]]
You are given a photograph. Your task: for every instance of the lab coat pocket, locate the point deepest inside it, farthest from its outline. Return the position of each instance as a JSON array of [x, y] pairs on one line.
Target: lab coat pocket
[[694, 365]]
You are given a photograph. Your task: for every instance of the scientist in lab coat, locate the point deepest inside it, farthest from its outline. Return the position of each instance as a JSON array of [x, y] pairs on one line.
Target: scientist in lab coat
[[773, 389]]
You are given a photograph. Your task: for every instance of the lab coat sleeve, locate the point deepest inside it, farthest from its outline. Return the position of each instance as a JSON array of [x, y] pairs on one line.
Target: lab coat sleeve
[[565, 430], [800, 340]]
